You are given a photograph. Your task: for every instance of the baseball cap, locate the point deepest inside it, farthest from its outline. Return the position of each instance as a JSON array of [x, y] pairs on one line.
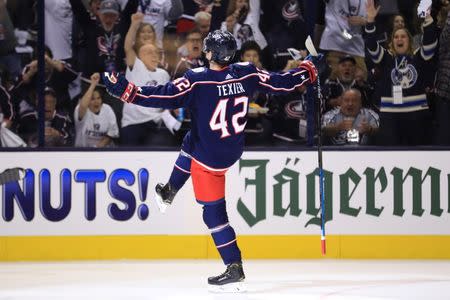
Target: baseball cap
[[109, 6], [347, 58]]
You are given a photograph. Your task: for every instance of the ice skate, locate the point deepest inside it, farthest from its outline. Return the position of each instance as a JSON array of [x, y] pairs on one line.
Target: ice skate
[[164, 195], [231, 281], [9, 175]]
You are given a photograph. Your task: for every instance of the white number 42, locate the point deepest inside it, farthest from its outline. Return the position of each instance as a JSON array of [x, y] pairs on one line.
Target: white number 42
[[219, 121]]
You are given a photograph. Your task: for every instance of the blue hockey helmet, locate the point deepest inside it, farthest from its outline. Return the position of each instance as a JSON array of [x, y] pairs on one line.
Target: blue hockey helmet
[[222, 45]]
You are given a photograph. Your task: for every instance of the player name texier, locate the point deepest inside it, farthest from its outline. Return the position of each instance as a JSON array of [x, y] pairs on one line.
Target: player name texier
[[230, 89]]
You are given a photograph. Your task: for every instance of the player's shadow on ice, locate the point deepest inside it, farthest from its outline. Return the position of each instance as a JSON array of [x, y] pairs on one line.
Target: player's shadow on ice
[[322, 287]]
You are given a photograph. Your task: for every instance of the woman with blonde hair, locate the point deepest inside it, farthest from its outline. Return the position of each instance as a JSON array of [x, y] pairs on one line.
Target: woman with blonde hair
[[405, 117], [401, 34], [138, 34]]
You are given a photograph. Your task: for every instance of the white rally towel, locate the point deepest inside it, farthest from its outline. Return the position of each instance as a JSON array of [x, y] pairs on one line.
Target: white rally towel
[[9, 138], [424, 8]]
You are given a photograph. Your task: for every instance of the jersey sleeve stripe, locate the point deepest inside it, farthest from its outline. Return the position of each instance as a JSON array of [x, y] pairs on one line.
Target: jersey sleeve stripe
[[284, 89], [377, 55], [427, 51], [165, 96], [300, 72]]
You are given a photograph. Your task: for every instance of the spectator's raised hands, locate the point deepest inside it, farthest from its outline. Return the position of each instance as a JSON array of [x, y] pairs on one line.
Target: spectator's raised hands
[[137, 18], [30, 70], [33, 66], [95, 78], [372, 10]]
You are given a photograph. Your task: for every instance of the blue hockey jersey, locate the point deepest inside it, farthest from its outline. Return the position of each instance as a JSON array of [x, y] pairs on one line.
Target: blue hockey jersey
[[218, 102]]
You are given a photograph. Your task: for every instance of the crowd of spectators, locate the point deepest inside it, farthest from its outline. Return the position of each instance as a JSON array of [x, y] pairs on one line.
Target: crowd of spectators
[[387, 81]]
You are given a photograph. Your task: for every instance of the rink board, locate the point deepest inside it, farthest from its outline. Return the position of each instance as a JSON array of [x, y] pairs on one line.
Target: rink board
[[100, 205]]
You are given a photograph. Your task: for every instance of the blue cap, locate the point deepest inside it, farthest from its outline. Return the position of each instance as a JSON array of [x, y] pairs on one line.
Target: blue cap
[[109, 6]]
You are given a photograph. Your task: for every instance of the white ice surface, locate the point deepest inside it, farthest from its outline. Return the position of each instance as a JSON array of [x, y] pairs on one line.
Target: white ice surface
[[266, 279]]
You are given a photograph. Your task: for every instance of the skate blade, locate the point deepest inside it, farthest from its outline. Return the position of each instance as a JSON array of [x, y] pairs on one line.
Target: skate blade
[[236, 287], [161, 205]]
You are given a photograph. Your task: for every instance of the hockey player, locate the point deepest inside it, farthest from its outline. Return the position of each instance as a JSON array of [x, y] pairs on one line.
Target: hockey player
[[217, 98]]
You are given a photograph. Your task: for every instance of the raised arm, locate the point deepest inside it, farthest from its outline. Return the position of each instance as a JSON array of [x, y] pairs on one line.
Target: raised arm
[[429, 39], [173, 94], [176, 10], [375, 50], [81, 15], [130, 38], [128, 10], [254, 11], [279, 83], [84, 102]]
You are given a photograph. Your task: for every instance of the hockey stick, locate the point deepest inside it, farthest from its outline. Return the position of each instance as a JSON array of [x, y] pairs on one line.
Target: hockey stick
[[10, 175], [313, 52]]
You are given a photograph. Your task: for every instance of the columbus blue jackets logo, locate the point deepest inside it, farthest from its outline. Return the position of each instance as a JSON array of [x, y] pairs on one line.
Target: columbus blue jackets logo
[[295, 109], [108, 45], [405, 75], [291, 11]]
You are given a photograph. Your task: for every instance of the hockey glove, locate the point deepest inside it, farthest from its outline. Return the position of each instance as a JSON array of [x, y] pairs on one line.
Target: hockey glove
[[311, 68], [119, 87]]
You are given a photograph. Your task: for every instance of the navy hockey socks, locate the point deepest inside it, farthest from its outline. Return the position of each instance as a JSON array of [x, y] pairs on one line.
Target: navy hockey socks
[[216, 218], [181, 171]]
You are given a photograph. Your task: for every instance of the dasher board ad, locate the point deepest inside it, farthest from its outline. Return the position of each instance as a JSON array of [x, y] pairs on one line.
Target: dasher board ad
[[267, 193]]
